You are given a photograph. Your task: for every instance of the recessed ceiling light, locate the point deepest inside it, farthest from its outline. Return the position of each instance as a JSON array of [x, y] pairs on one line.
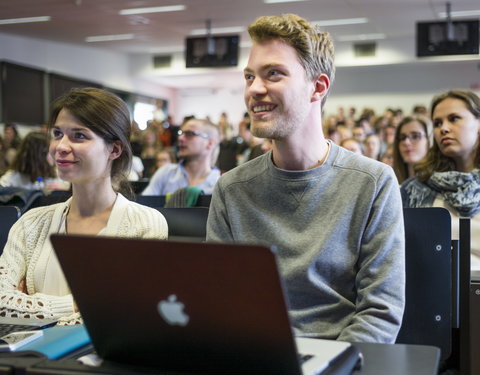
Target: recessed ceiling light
[[108, 38], [360, 37], [338, 22], [170, 8], [24, 20], [218, 30], [460, 13], [281, 1]]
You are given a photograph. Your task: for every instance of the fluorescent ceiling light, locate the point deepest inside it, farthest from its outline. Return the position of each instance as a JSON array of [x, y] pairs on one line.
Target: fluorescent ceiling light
[[281, 1], [360, 37], [460, 13], [344, 21], [24, 20], [108, 38], [170, 8], [218, 30]]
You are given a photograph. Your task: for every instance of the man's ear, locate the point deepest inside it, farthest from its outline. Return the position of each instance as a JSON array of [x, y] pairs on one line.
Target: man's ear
[[116, 151], [321, 86]]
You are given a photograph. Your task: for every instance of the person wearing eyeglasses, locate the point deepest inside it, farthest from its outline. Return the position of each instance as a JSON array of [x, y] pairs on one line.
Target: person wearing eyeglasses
[[197, 150], [449, 176], [411, 144]]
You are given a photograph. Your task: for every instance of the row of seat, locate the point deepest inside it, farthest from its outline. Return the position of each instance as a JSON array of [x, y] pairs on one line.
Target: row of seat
[[437, 290]]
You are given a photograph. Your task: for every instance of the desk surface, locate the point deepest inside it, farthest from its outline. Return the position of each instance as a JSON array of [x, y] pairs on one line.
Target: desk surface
[[399, 359], [380, 359]]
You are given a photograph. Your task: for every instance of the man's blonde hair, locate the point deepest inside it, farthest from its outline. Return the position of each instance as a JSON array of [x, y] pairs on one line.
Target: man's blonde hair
[[314, 48]]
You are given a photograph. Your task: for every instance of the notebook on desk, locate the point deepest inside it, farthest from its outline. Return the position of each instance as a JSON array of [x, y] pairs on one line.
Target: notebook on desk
[[10, 325], [202, 307]]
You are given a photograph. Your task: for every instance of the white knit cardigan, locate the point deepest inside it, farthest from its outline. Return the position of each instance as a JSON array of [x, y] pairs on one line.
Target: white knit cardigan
[[28, 241]]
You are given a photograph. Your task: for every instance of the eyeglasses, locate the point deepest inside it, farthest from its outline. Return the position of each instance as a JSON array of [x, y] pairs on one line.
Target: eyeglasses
[[414, 137], [192, 133]]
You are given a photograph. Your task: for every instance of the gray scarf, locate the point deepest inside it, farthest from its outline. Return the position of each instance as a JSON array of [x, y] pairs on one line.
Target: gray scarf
[[460, 190]]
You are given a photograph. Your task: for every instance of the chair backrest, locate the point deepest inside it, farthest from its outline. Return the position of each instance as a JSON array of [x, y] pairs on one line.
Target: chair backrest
[[8, 216], [159, 200], [475, 326], [151, 200], [19, 197], [427, 318], [186, 223], [139, 186], [56, 196]]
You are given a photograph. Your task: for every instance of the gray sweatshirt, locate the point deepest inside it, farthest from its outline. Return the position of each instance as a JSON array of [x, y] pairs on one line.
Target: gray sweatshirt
[[339, 234]]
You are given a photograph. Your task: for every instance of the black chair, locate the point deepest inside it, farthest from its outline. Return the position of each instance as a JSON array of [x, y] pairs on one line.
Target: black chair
[[475, 325], [8, 216], [56, 196], [151, 200], [186, 223], [19, 197], [140, 185], [428, 312], [159, 200]]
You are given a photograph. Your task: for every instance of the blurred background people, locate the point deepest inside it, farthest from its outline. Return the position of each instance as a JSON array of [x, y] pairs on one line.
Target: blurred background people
[[353, 145], [372, 146], [411, 144], [197, 150], [30, 168]]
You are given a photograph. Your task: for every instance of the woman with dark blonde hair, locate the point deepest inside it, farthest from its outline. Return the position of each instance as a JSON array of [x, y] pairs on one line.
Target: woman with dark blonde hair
[[449, 176], [411, 144], [91, 150]]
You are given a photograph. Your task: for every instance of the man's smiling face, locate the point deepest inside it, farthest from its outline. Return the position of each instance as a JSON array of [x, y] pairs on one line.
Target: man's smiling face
[[277, 93]]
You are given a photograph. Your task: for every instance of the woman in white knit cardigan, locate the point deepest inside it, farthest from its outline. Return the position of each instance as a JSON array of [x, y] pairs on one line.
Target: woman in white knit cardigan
[[91, 149]]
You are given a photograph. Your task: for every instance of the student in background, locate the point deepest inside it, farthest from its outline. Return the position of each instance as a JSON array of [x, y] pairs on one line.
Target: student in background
[[372, 147], [449, 176], [31, 167], [11, 142], [197, 146], [352, 144], [334, 217], [91, 149], [163, 157], [411, 144]]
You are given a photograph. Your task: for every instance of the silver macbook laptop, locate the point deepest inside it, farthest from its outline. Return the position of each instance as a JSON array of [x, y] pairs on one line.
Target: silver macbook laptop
[[210, 308]]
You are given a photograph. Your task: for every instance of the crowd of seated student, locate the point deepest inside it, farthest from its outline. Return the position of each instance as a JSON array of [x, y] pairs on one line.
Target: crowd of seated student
[[373, 136]]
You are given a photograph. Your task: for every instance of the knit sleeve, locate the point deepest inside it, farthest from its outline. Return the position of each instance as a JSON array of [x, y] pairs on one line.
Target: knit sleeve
[[143, 222], [14, 263]]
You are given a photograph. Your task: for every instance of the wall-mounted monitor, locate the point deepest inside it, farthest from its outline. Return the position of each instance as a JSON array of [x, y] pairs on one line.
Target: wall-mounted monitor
[[448, 38], [212, 51]]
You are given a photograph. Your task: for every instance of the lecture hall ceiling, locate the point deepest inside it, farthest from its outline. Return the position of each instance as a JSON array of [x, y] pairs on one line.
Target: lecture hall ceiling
[[72, 21]]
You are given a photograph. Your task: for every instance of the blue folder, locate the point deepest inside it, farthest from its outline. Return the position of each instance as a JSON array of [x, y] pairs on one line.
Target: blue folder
[[58, 341]]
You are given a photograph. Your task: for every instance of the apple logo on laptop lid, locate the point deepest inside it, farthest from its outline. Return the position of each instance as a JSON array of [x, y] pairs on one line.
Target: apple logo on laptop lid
[[172, 311]]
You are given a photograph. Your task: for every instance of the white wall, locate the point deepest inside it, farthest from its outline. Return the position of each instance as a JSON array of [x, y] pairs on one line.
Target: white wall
[[405, 83], [92, 64]]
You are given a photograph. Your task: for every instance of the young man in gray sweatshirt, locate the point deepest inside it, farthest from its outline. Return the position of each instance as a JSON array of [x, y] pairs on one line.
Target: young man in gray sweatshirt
[[334, 216]]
